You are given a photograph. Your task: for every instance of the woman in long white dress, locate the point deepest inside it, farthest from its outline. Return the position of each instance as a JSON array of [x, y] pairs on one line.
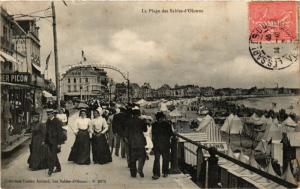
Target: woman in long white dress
[[80, 152]]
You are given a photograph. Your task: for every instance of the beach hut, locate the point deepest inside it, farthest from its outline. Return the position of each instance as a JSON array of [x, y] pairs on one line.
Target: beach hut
[[208, 126], [294, 138]]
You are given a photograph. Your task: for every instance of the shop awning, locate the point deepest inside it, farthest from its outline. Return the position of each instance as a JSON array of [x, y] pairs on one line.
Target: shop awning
[[37, 67], [47, 94], [6, 57]]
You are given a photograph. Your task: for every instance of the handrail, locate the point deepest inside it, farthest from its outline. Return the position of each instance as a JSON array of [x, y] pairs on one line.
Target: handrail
[[213, 151]]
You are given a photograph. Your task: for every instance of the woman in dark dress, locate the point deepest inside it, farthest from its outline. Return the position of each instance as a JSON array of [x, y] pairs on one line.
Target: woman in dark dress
[[38, 153], [100, 148], [80, 152]]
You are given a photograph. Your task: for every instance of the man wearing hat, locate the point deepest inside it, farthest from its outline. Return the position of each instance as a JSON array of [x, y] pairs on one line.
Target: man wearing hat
[[134, 133], [53, 140], [161, 135]]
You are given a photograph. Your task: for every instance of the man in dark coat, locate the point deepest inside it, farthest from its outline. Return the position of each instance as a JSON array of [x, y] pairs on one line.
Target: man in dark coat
[[118, 130], [136, 142], [53, 139], [161, 135]]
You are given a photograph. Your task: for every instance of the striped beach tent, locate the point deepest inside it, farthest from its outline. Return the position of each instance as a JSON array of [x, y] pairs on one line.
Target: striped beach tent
[[208, 126]]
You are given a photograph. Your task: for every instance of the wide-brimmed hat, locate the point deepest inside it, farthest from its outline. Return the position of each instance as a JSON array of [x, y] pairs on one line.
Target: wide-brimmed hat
[[49, 111], [82, 110]]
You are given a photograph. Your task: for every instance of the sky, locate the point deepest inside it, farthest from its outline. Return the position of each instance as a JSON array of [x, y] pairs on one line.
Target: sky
[[208, 48]]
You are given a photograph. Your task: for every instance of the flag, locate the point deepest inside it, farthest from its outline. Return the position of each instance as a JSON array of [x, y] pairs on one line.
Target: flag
[[83, 56], [65, 3], [47, 61]]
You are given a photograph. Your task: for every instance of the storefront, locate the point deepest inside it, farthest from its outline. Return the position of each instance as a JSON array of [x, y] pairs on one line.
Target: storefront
[[19, 99]]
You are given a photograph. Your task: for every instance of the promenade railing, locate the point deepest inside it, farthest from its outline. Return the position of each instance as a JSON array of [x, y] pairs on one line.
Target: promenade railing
[[207, 172]]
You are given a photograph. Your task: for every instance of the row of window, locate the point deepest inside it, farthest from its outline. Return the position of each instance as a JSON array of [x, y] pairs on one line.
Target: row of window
[[77, 89], [80, 80]]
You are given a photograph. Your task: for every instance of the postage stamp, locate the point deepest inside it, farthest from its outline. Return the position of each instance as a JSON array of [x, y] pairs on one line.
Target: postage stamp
[[273, 34]]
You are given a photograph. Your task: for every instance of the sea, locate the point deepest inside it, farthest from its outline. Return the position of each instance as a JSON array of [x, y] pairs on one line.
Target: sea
[[290, 103]]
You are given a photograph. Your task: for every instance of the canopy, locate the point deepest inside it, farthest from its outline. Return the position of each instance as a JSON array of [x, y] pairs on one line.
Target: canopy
[[175, 113], [47, 94], [208, 126]]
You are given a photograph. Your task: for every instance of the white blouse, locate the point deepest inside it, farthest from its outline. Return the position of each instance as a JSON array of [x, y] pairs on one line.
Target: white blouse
[[81, 123], [98, 124]]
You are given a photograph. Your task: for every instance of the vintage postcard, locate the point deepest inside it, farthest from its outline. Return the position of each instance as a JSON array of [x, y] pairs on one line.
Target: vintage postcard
[[150, 94]]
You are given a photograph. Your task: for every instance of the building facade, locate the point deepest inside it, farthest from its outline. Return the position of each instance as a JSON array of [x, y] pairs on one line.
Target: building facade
[[84, 82]]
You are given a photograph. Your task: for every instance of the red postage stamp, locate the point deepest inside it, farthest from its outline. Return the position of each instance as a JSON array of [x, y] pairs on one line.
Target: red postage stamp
[[273, 33], [274, 20]]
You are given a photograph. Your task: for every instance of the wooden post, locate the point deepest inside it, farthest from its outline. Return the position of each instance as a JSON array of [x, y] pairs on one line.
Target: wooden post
[[200, 160], [174, 155], [213, 173], [57, 76]]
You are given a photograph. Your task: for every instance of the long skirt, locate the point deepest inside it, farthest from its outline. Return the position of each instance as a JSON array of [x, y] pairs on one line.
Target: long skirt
[[38, 158], [100, 149], [80, 152]]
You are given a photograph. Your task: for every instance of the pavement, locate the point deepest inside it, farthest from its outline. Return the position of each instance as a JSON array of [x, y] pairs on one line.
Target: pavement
[[112, 175]]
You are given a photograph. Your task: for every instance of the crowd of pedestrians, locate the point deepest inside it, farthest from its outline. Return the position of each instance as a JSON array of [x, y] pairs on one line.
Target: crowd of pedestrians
[[121, 131]]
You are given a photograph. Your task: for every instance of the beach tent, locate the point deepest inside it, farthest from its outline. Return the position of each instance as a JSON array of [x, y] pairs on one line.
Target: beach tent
[[288, 125], [163, 107], [272, 132], [208, 126], [175, 113], [289, 122], [263, 119], [288, 176], [276, 122], [226, 126], [236, 126], [270, 169], [229, 151], [243, 158], [142, 102], [254, 118], [263, 147], [252, 160]]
